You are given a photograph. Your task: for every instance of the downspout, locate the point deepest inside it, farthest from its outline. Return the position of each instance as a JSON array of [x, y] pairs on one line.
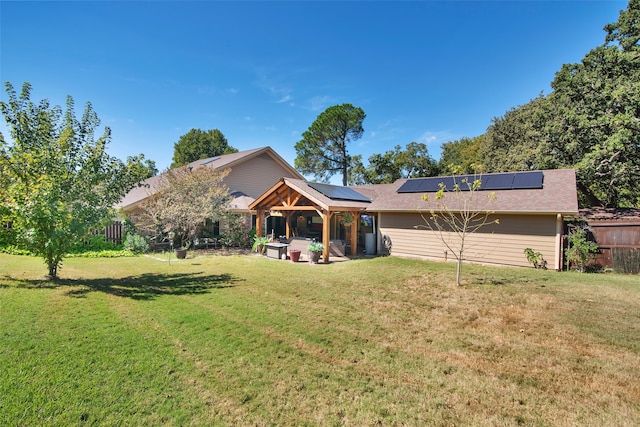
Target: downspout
[[559, 254]]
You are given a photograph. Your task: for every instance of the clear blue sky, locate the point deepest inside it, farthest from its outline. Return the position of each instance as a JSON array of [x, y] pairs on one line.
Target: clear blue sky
[[261, 72]]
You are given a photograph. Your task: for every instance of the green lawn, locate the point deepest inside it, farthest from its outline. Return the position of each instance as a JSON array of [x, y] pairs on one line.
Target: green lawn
[[246, 340]]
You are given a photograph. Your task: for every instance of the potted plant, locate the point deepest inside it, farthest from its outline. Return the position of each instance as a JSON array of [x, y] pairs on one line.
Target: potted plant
[[347, 220], [315, 250], [260, 244], [180, 251]]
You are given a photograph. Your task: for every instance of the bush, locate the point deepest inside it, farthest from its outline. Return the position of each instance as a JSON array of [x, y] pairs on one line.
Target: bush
[[136, 244], [238, 233], [95, 243], [580, 250], [14, 250], [535, 258], [108, 253]]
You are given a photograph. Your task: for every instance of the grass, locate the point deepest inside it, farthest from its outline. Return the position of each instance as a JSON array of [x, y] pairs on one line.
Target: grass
[[246, 340]]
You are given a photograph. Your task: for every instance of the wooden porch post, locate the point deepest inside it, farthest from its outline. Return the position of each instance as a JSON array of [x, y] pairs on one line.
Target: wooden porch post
[[326, 236], [288, 215], [354, 233], [259, 222]]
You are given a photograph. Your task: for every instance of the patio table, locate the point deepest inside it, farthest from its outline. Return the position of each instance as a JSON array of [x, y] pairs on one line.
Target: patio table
[[277, 250]]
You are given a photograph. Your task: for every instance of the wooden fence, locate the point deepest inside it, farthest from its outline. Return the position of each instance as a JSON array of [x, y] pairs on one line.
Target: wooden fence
[[112, 233], [617, 233]]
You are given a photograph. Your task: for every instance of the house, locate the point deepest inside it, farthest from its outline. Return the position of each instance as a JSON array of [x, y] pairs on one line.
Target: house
[[530, 207], [252, 172]]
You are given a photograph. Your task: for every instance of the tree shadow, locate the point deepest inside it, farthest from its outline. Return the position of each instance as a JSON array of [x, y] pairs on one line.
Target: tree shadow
[[146, 286]]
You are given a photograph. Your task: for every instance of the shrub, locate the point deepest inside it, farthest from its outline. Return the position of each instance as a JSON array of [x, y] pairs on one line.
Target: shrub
[[259, 244], [579, 250], [14, 250], [238, 233], [107, 253], [136, 244], [535, 258], [95, 243]]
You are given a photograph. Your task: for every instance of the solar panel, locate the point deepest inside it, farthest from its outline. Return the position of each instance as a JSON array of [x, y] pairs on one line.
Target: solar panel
[[529, 180], [336, 192], [499, 181], [432, 184], [212, 159], [490, 182]]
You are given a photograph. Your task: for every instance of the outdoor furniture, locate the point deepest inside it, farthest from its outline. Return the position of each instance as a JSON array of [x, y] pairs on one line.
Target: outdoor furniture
[[277, 250], [206, 242]]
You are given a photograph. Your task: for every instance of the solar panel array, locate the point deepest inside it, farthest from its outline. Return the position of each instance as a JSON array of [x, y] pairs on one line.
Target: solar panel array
[[335, 192], [490, 182]]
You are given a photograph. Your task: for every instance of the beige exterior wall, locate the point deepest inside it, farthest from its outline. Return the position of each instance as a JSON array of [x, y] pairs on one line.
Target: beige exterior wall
[[502, 243], [255, 176]]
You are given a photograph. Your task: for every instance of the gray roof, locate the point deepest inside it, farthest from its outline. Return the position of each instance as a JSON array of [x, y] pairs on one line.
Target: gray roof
[[558, 195], [149, 186]]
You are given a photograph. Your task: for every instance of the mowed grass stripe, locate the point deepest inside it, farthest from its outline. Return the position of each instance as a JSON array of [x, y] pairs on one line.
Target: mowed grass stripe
[[86, 366], [253, 341]]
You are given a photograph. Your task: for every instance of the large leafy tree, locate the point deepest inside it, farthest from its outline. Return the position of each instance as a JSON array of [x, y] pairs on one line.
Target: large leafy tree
[[184, 200], [58, 182], [596, 122], [513, 141], [323, 149], [412, 162], [590, 121], [461, 156], [140, 166], [198, 144]]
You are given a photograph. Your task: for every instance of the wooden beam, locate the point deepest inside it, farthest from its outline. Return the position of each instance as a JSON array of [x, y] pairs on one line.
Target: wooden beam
[[296, 208]]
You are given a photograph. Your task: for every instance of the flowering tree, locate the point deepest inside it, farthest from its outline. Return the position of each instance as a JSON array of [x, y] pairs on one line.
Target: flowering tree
[[184, 200], [238, 231]]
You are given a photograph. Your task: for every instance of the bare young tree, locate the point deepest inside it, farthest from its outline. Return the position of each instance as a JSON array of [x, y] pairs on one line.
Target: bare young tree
[[459, 212]]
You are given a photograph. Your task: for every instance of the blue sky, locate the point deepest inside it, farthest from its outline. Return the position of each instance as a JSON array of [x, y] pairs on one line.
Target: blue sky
[[261, 72]]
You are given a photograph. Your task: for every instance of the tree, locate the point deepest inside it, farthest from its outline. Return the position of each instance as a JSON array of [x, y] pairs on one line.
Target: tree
[[590, 122], [185, 199], [461, 156], [322, 151], [457, 214], [140, 166], [596, 122], [413, 162], [198, 144], [58, 182], [626, 31], [513, 141], [357, 172]]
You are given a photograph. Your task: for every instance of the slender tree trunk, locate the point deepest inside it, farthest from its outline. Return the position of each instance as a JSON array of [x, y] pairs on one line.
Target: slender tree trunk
[[53, 269]]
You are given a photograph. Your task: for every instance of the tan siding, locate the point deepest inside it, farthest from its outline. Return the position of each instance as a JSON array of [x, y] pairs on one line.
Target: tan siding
[[503, 243], [256, 175]]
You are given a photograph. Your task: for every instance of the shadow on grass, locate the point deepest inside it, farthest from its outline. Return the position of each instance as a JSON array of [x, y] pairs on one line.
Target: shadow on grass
[[144, 287]]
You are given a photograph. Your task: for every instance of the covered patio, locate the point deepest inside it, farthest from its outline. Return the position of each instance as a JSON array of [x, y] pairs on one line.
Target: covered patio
[[313, 210]]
